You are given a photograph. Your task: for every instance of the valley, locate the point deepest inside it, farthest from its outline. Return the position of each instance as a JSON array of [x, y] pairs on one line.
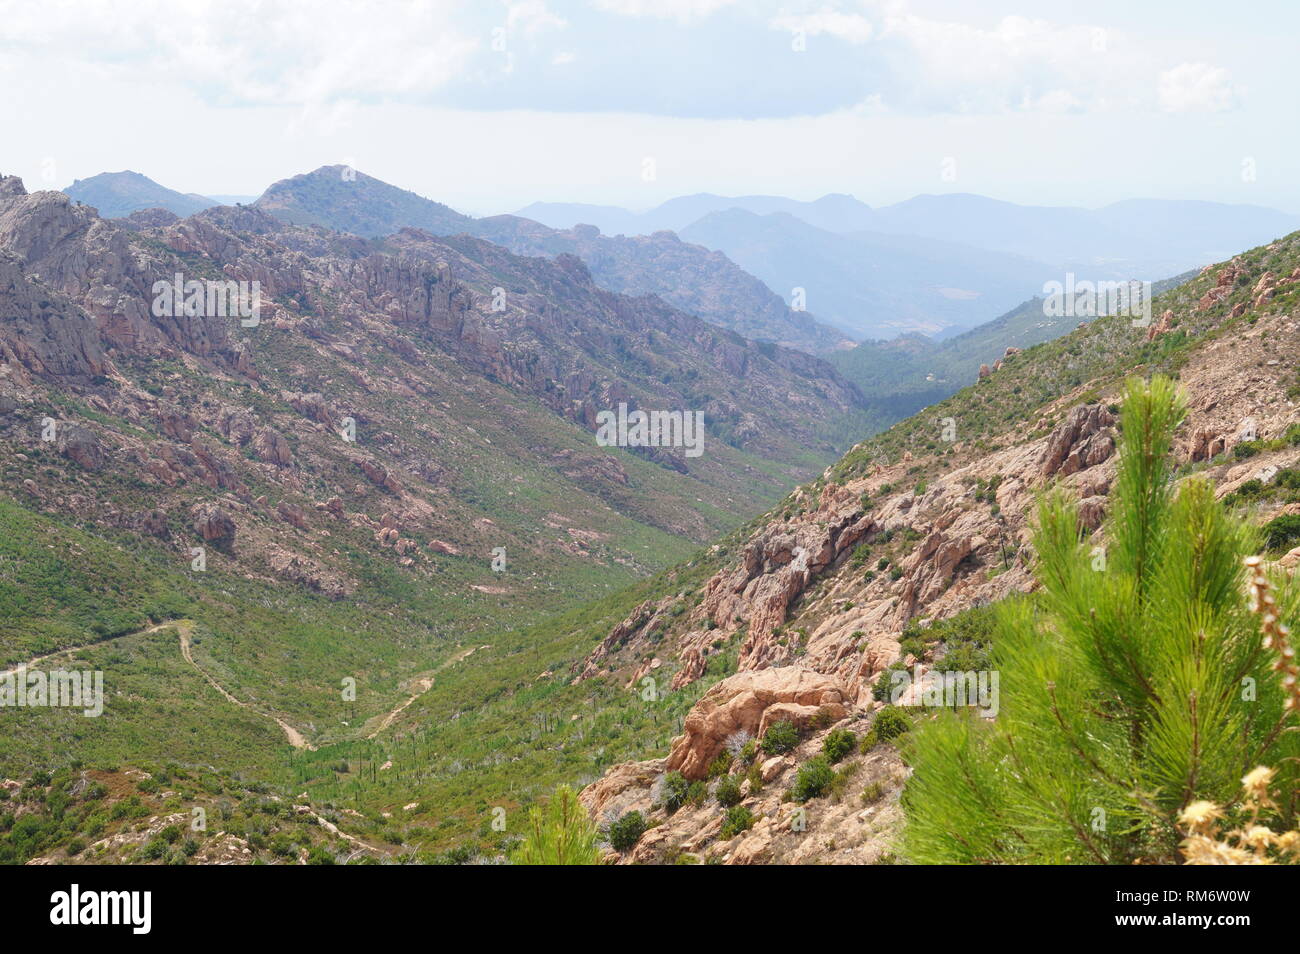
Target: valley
[[279, 541]]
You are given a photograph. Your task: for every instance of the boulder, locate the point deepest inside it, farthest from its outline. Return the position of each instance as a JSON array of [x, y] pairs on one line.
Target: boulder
[[80, 445], [1081, 441], [214, 525], [270, 445], [742, 702]]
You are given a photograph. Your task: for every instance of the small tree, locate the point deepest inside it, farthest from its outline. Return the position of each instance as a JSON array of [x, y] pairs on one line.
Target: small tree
[[560, 834], [1137, 684]]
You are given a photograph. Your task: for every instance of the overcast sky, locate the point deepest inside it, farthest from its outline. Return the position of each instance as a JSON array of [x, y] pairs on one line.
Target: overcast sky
[[488, 105]]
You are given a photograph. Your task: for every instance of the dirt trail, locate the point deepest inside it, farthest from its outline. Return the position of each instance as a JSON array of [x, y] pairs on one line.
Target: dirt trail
[[185, 629], [422, 686], [74, 649]]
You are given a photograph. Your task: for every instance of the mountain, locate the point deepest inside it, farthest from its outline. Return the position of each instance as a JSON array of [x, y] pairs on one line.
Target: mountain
[[689, 277], [341, 198], [349, 467], [1137, 238], [834, 213], [1140, 238], [892, 558], [345, 462], [118, 194], [693, 279], [565, 215], [908, 373], [867, 284], [234, 199]]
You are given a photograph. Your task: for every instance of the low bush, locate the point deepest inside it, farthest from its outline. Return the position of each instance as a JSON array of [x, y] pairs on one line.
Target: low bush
[[738, 818], [627, 831], [814, 779], [838, 743], [728, 791], [780, 738]]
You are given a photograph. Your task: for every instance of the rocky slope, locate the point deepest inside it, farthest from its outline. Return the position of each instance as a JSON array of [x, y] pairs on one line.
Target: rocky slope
[[688, 277], [349, 463], [842, 581]]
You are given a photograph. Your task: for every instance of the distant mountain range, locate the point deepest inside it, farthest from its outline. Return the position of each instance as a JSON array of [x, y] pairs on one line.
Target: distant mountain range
[[117, 194], [809, 275], [1141, 238], [911, 372], [868, 284], [694, 279]]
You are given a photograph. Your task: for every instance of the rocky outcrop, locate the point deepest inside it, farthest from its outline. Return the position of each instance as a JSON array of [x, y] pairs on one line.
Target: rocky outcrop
[[43, 334], [379, 475], [1161, 326], [749, 702], [215, 526], [80, 445], [1081, 441], [775, 567], [270, 445]]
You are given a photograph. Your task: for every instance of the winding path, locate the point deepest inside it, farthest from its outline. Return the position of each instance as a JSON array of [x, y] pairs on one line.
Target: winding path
[[185, 629], [422, 685]]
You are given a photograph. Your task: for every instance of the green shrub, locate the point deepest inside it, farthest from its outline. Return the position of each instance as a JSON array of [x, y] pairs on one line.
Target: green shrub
[[880, 691], [675, 793], [728, 791], [721, 765], [738, 818], [1122, 689], [318, 855], [1282, 531], [814, 779], [838, 743], [891, 722], [780, 738], [627, 831]]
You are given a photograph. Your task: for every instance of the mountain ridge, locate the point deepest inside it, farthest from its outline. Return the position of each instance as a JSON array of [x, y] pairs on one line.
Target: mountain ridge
[[118, 194], [691, 279]]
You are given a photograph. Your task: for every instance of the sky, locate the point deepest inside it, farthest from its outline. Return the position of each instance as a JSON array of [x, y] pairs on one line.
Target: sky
[[492, 104]]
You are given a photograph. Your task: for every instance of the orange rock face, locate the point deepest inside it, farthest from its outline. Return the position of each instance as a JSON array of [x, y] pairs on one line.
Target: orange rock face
[[750, 702]]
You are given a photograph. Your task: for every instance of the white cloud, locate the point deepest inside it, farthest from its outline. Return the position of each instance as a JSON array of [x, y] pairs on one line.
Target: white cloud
[[1019, 64], [1197, 87], [532, 15], [852, 27], [246, 51], [683, 11]]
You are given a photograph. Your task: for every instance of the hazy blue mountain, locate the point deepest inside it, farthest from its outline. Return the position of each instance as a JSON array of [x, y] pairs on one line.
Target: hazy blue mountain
[[118, 194], [341, 198], [912, 371], [868, 284], [1139, 238], [835, 213], [565, 215], [1142, 238]]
